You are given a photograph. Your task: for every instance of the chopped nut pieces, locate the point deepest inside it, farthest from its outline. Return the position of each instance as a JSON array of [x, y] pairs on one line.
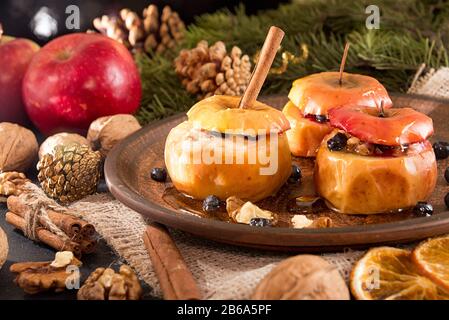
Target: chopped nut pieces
[[11, 183], [62, 259], [105, 284], [243, 212], [35, 277], [322, 222], [300, 221]]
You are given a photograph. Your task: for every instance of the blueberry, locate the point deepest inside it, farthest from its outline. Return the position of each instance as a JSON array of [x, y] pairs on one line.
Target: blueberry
[[446, 174], [320, 118], [441, 150], [260, 222], [211, 204], [296, 174], [423, 209], [337, 142], [159, 174], [446, 200]]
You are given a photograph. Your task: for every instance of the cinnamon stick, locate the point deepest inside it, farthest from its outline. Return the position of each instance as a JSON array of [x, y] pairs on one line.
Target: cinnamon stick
[[343, 63], [87, 229], [266, 58], [67, 223], [44, 235], [88, 246], [176, 280]]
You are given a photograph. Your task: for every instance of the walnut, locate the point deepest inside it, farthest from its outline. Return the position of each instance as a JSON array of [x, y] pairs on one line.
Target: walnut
[[104, 133], [48, 146], [243, 212], [35, 277], [11, 183], [18, 147], [322, 222], [300, 221], [105, 284], [304, 277], [3, 247]]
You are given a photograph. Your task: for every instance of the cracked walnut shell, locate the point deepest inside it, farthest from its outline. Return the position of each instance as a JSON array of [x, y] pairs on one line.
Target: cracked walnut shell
[[18, 147], [106, 284], [304, 277]]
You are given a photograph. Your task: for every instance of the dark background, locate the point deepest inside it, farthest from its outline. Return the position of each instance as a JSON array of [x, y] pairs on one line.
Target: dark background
[[17, 15]]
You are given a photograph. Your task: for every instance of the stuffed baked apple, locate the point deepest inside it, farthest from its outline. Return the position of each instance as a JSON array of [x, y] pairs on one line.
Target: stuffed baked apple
[[232, 146], [225, 151], [311, 98], [376, 161]]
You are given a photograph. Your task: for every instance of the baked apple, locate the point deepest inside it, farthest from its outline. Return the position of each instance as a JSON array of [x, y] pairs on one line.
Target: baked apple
[[376, 162], [224, 150], [313, 96]]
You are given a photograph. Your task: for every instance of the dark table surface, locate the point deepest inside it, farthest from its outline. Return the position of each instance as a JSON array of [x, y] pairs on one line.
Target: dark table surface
[[22, 249]]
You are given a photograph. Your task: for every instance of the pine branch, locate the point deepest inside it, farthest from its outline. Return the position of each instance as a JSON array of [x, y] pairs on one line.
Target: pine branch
[[411, 32]]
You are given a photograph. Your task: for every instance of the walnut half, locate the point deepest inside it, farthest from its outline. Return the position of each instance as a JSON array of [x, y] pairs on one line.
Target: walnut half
[[35, 277], [11, 183], [106, 284]]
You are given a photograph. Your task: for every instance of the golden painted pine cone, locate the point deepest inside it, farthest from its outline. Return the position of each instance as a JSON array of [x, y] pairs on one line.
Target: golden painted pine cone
[[207, 71], [151, 32], [71, 173]]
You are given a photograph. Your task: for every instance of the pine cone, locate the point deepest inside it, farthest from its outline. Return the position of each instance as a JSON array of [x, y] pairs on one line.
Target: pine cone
[[151, 32], [206, 71], [70, 173]]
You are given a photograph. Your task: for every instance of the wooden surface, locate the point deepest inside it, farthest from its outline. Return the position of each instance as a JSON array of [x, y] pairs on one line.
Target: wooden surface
[[127, 174]]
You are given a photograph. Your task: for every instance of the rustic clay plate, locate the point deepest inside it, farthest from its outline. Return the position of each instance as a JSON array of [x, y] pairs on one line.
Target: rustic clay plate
[[128, 166]]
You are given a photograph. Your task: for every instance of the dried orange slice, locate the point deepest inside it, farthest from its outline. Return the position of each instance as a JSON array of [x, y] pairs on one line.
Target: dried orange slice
[[432, 259], [389, 274]]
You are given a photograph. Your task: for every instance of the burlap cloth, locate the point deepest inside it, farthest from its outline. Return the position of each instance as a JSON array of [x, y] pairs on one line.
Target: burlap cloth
[[222, 271]]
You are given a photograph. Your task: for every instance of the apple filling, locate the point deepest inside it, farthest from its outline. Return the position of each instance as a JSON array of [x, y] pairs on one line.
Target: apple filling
[[364, 148]]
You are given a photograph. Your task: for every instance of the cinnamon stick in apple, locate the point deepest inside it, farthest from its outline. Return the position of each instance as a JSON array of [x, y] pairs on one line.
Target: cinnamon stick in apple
[[266, 58], [44, 235], [176, 280], [343, 63]]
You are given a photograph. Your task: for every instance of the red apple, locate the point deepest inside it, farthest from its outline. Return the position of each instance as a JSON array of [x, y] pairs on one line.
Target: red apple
[[15, 56], [78, 78], [319, 92], [394, 127]]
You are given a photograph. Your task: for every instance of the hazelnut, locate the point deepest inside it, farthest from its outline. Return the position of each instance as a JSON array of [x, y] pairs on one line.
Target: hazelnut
[[104, 133], [304, 277], [18, 147], [48, 146]]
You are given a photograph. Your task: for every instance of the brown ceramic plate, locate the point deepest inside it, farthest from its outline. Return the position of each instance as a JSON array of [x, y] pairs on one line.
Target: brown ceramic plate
[[127, 175]]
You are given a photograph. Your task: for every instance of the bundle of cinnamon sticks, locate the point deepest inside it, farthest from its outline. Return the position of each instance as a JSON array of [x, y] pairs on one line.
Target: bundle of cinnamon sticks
[[80, 234]]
